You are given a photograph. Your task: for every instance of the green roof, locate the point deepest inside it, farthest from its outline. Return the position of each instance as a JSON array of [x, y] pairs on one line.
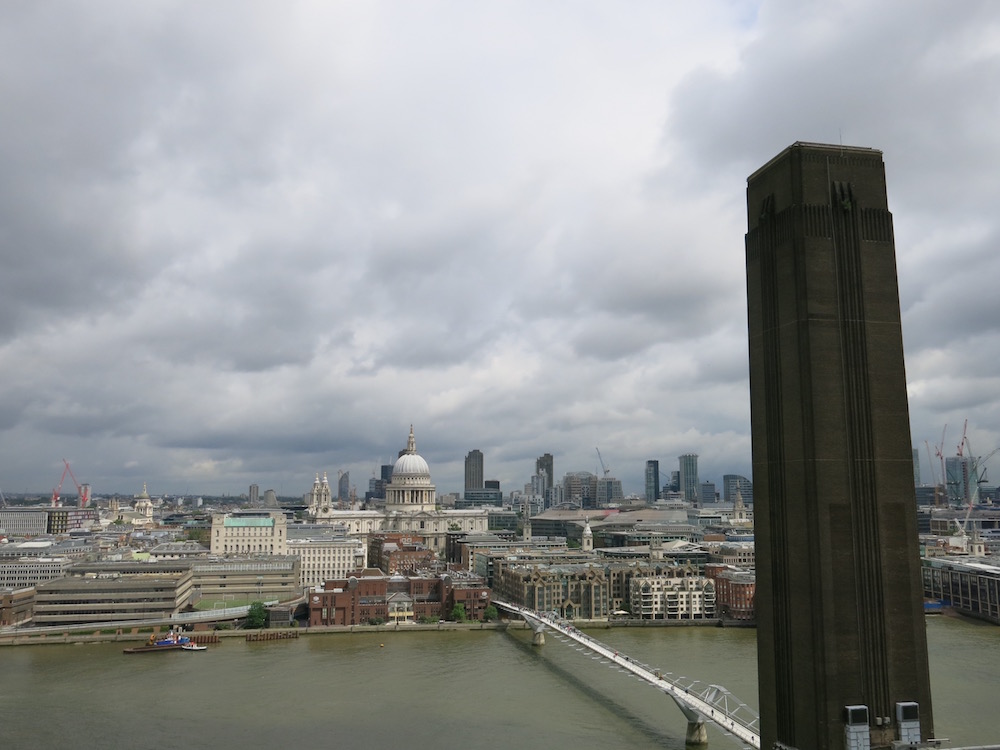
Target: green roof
[[248, 522]]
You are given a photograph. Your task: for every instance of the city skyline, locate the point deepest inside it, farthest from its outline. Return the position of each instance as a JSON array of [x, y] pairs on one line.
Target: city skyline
[[249, 243]]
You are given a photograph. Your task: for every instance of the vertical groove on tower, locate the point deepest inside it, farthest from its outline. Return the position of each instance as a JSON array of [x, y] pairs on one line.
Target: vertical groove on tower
[[770, 236], [861, 456]]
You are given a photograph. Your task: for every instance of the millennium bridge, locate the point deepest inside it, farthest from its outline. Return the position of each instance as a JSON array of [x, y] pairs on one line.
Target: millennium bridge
[[698, 703]]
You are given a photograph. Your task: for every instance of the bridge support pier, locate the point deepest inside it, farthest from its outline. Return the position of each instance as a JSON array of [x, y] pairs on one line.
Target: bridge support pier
[[697, 735], [537, 630]]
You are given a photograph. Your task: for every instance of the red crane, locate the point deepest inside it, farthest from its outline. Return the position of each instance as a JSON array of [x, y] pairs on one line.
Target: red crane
[[83, 493]]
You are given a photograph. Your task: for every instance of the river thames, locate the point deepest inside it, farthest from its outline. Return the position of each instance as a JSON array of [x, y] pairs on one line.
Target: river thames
[[423, 690]]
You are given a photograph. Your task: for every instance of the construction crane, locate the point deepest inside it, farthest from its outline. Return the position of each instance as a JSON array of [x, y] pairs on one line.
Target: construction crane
[[977, 472], [939, 452], [934, 476], [82, 493], [604, 468]]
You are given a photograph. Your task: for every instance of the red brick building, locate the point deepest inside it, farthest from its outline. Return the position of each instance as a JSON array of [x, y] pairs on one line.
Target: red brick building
[[393, 552], [371, 597], [735, 592]]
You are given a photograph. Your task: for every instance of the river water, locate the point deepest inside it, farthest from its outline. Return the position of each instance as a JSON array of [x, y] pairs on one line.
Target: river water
[[447, 689]]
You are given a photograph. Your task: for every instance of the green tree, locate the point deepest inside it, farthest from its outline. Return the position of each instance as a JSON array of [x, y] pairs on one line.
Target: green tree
[[256, 616], [490, 613], [198, 535], [458, 613]]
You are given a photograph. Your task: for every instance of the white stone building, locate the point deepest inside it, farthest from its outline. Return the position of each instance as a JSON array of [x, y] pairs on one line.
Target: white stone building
[[324, 559], [249, 532]]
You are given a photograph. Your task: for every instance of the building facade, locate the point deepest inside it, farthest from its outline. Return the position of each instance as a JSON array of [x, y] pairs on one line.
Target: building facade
[[324, 559], [652, 481], [31, 571], [735, 592], [672, 593], [688, 477], [112, 597], [474, 470], [372, 598], [544, 467], [579, 591], [249, 532], [837, 552], [969, 585]]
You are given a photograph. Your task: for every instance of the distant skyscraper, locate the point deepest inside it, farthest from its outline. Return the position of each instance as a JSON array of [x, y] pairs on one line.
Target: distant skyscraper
[[544, 467], [652, 481], [733, 482], [580, 487], [916, 467], [959, 479], [474, 470], [675, 481], [706, 492], [254, 496], [344, 487], [688, 477], [841, 640], [609, 490]]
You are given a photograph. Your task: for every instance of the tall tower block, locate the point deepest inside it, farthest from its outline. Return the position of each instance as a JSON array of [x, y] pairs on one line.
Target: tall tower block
[[839, 596]]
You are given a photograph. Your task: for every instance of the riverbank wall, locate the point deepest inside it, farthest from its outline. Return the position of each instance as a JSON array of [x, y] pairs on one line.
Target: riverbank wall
[[27, 637]]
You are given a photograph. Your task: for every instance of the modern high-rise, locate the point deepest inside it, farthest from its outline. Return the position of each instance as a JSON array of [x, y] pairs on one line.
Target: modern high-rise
[[544, 468], [916, 467], [842, 652], [707, 494], [688, 477], [254, 496], [959, 479], [474, 470], [733, 483], [652, 481]]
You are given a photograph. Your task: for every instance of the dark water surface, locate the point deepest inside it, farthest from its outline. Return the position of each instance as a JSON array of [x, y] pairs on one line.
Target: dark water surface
[[476, 689]]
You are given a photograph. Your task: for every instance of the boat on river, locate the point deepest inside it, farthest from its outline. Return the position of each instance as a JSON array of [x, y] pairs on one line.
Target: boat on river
[[171, 642]]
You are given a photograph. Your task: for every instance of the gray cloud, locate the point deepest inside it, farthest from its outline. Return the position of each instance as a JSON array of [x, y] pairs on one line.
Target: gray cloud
[[248, 242]]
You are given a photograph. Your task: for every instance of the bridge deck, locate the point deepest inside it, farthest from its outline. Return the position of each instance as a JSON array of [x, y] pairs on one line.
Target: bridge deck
[[714, 703]]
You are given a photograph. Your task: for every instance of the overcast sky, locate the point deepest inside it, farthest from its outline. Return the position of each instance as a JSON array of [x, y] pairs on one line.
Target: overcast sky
[[245, 242]]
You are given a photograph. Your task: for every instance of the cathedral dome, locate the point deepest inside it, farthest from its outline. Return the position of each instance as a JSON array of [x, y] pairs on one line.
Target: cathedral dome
[[411, 468], [411, 464]]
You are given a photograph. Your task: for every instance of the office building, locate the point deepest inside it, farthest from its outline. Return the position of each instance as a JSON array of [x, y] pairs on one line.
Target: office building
[[959, 479], [474, 470], [733, 483], [544, 468], [840, 624], [344, 488], [688, 477], [652, 481]]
